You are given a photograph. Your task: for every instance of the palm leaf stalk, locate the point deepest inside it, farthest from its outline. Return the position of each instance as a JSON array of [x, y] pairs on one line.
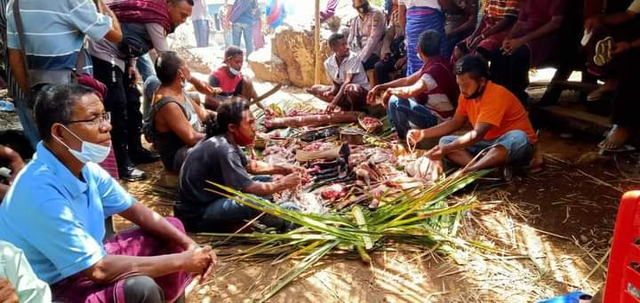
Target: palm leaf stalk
[[416, 217]]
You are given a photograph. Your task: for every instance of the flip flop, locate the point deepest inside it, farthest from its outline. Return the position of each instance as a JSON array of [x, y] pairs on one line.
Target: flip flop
[[603, 51], [621, 149]]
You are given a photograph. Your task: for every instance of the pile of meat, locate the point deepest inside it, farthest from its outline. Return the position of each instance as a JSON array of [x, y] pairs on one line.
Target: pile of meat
[[277, 154], [318, 146], [370, 125]]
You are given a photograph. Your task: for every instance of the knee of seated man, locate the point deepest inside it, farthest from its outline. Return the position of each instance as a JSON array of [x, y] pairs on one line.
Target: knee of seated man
[[351, 88], [142, 289], [515, 141], [393, 101], [522, 52], [447, 140], [517, 135], [380, 66]]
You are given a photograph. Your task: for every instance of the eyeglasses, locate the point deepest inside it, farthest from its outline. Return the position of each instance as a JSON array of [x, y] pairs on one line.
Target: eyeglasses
[[97, 121]]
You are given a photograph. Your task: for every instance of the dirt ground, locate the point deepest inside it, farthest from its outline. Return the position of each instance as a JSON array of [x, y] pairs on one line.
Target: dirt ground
[[553, 229]]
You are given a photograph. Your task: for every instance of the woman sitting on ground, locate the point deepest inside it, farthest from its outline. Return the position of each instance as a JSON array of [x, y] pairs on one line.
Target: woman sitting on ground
[[175, 119]]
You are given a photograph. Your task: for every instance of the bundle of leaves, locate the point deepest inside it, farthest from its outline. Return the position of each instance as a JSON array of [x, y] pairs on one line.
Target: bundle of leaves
[[422, 216]]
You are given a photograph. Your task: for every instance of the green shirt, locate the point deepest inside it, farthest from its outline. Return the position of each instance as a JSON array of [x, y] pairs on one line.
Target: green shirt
[[15, 268]]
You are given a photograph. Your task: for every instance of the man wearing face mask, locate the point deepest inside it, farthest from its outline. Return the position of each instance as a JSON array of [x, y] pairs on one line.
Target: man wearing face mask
[[65, 195], [366, 33], [219, 159], [500, 123], [230, 80]]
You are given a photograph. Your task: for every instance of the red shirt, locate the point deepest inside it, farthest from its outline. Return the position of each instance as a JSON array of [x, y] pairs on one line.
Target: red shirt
[[536, 13], [222, 79]]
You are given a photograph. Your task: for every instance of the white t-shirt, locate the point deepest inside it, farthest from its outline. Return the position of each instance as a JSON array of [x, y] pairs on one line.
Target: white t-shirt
[[635, 7], [350, 65], [411, 3]]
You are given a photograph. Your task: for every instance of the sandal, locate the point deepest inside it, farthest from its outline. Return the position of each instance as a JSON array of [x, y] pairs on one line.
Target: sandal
[[615, 140], [619, 149], [603, 53]]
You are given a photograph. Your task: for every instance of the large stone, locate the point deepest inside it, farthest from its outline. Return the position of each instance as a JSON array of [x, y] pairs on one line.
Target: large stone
[[267, 66], [295, 46]]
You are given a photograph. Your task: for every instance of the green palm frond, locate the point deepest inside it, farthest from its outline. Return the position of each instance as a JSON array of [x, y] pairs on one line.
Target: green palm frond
[[417, 217]]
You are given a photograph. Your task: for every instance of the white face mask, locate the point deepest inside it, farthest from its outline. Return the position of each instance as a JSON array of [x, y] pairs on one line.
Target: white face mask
[[233, 71], [89, 152], [183, 82]]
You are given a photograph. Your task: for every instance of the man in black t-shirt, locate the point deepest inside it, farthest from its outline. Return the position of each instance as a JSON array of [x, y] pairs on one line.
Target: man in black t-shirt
[[219, 159]]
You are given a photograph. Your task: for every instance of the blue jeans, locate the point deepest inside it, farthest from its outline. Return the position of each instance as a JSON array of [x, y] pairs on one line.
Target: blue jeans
[[27, 120], [224, 213], [151, 85], [516, 142], [201, 28], [241, 29], [145, 67], [406, 114]]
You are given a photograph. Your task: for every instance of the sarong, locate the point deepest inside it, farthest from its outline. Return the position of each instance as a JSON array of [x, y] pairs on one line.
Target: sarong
[[133, 242], [420, 19]]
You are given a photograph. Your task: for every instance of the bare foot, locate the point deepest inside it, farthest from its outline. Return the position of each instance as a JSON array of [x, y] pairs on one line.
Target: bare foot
[[616, 138]]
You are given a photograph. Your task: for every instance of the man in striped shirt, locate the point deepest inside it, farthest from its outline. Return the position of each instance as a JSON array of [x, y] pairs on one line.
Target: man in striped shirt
[[499, 16], [54, 33]]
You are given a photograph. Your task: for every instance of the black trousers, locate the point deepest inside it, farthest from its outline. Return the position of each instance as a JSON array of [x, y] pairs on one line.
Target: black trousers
[[383, 70], [512, 71], [626, 105], [371, 62], [123, 101]]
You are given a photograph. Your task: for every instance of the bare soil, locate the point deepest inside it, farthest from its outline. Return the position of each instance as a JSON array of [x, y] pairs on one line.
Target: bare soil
[[555, 226]]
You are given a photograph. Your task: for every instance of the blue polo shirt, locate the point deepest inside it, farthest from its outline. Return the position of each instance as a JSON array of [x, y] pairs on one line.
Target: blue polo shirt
[[57, 219]]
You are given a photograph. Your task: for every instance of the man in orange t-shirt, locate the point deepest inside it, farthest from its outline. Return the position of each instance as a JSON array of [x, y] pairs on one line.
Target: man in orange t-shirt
[[500, 123]]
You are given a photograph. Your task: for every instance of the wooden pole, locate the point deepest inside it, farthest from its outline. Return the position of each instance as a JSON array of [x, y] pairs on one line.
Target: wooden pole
[[317, 46]]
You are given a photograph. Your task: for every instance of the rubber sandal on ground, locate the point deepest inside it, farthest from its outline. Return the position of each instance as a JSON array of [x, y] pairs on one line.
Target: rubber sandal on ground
[[620, 149]]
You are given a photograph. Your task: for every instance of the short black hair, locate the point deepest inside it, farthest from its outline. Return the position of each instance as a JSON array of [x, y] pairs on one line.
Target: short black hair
[[174, 2], [229, 113], [167, 66], [232, 51], [333, 39], [54, 104], [429, 42], [475, 65]]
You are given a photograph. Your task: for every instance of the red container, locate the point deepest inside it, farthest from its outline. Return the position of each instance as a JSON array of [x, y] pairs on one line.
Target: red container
[[623, 276]]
